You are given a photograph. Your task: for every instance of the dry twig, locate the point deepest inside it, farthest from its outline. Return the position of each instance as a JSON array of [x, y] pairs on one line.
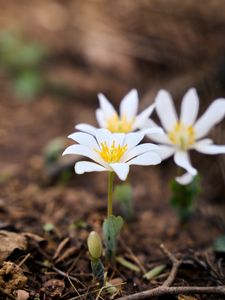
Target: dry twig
[[159, 291], [166, 289]]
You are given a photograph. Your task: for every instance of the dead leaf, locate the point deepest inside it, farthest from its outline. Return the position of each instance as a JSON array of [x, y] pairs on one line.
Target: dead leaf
[[10, 241], [34, 238]]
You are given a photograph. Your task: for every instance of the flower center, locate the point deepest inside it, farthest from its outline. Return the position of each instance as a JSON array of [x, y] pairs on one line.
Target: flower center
[[117, 124], [183, 136], [113, 153]]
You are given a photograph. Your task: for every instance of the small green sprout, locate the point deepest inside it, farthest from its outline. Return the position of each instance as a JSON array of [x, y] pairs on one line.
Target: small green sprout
[[94, 245], [95, 250]]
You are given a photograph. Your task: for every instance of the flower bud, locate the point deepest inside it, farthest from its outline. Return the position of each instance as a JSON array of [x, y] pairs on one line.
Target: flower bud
[[94, 245]]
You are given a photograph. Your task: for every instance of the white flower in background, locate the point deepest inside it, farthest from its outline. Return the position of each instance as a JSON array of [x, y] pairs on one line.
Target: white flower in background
[[186, 133], [126, 121], [112, 151]]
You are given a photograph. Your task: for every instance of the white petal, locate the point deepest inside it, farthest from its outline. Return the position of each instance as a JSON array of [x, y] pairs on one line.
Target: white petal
[[181, 158], [142, 118], [189, 107], [165, 151], [152, 131], [106, 106], [82, 167], [159, 137], [80, 150], [166, 110], [117, 138], [86, 128], [146, 159], [210, 149], [100, 118], [213, 115], [140, 149], [202, 142], [132, 139], [185, 179], [84, 139], [129, 105], [102, 135], [121, 169]]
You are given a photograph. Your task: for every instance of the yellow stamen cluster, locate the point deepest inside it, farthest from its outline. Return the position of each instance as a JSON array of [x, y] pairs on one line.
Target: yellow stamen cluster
[[113, 153], [117, 124], [183, 136]]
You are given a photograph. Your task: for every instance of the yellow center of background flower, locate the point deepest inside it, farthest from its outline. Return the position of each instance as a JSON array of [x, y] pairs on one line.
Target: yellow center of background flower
[[117, 124], [113, 153], [183, 136]]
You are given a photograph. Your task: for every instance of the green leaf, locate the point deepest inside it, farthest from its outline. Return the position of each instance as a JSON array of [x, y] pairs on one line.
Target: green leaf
[[127, 264], [123, 194], [154, 272], [183, 197], [219, 244], [111, 229]]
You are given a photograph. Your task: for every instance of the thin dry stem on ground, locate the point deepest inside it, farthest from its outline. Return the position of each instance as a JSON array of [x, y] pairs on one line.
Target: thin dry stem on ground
[[167, 289]]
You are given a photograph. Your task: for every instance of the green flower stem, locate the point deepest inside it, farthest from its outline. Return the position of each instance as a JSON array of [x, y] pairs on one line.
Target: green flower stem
[[110, 193]]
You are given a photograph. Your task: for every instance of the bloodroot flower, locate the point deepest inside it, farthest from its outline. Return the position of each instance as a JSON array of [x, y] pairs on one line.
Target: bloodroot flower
[[186, 133], [126, 121], [113, 152]]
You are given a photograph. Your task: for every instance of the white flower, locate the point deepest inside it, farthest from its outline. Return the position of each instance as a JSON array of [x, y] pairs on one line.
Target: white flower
[[186, 133], [126, 121], [112, 151]]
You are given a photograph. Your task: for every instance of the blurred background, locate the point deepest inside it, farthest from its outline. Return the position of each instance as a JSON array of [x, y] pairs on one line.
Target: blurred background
[[55, 56]]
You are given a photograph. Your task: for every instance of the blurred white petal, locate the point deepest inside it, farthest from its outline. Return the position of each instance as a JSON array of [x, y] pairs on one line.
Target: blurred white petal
[[158, 137], [213, 115], [184, 179], [143, 117], [166, 151], [129, 105], [189, 107], [210, 149], [166, 110], [100, 118], [181, 158], [106, 106]]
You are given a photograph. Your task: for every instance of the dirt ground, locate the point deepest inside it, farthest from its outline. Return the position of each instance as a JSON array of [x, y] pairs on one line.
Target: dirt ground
[[51, 216]]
